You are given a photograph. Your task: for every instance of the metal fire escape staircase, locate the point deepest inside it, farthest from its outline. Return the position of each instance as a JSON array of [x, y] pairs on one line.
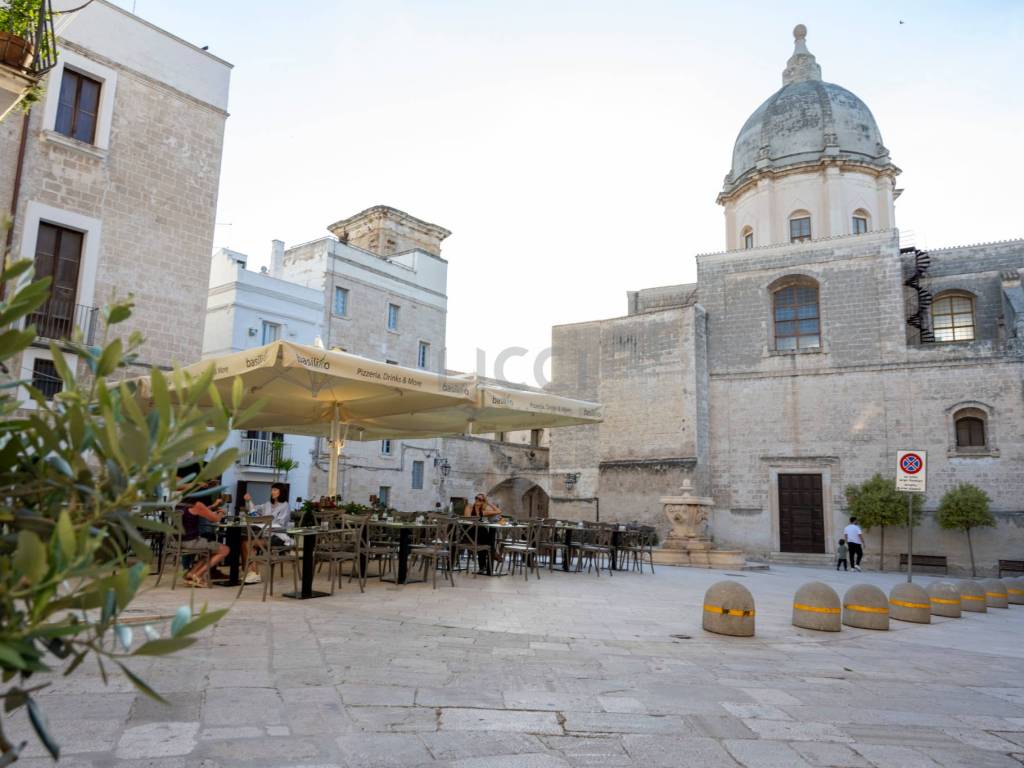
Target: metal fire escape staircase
[[919, 319]]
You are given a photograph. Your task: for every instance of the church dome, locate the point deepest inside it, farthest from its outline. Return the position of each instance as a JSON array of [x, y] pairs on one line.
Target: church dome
[[804, 122]]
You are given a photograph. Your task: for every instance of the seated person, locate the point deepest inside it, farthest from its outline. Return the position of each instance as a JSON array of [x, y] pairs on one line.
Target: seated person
[[481, 507], [193, 513], [277, 508]]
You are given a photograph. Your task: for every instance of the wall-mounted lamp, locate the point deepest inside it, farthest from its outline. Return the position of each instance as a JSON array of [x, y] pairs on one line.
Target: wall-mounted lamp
[[445, 467], [570, 480]]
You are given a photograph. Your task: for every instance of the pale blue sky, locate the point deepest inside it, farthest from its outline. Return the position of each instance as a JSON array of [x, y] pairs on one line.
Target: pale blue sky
[[575, 148]]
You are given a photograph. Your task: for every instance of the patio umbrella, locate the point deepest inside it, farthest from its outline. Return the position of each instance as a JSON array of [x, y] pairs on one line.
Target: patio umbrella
[[495, 408], [311, 391]]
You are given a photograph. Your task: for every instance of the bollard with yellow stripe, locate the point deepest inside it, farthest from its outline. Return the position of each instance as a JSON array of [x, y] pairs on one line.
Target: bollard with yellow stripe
[[1014, 591], [817, 606], [995, 593], [729, 609], [972, 597], [945, 599], [865, 606], [910, 602]]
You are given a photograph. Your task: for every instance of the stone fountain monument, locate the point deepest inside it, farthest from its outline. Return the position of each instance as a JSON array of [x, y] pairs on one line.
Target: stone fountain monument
[[688, 543]]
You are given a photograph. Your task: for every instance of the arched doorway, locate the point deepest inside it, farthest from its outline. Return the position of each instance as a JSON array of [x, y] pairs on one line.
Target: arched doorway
[[519, 497]]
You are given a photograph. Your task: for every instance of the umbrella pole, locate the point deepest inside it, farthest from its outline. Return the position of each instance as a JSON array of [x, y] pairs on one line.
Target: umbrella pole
[[332, 469]]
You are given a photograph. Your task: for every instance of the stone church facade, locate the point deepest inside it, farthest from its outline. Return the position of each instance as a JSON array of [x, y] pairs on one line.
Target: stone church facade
[[805, 355]]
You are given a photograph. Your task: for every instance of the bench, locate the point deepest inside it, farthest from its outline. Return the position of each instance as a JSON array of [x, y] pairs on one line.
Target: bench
[[925, 561], [1011, 566]]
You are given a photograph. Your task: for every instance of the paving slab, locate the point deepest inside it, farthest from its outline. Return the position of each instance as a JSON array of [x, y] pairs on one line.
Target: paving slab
[[565, 671]]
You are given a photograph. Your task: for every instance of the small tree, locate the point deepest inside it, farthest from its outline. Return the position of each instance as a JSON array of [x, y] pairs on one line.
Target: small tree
[[964, 507], [877, 503], [82, 472], [281, 462]]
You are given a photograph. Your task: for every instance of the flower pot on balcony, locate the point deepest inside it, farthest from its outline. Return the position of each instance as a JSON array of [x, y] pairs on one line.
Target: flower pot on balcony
[[15, 51]]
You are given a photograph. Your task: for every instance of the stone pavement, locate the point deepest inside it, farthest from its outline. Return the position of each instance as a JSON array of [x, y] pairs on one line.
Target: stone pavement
[[571, 670]]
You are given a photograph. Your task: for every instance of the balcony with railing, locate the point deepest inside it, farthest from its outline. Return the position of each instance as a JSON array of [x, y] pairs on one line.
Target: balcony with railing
[[28, 47], [262, 454], [58, 319]]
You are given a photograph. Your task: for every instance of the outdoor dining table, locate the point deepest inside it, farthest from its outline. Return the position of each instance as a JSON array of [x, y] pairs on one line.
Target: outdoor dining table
[[568, 543], [405, 530], [308, 538], [613, 560], [491, 531], [233, 538]]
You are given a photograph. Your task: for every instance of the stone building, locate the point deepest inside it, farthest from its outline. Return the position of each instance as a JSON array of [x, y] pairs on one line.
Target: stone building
[[384, 285], [246, 309], [805, 355], [111, 182]]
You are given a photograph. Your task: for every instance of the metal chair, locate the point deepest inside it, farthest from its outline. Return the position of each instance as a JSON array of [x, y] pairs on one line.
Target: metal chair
[[176, 547], [435, 551], [523, 550], [470, 538], [340, 543], [264, 553]]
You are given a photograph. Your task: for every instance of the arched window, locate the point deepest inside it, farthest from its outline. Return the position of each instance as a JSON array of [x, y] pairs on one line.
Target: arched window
[[796, 317], [859, 223], [747, 236], [953, 317], [971, 428], [799, 226]]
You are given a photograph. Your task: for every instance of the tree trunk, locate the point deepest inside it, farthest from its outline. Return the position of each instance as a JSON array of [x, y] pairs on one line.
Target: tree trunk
[[970, 548], [881, 556]]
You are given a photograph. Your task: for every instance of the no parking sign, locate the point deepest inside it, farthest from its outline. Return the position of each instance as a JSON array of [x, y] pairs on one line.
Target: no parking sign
[[910, 471]]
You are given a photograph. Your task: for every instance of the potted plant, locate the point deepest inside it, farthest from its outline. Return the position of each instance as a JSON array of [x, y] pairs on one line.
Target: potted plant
[[19, 20]]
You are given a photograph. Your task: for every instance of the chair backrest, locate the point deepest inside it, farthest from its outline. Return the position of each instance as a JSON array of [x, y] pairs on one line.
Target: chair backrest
[[466, 532], [258, 527]]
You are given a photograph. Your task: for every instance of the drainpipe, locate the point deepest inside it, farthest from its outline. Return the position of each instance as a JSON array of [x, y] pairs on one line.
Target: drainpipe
[[16, 193]]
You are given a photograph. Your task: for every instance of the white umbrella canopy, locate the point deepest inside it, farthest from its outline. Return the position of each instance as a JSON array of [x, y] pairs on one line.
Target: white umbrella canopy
[[495, 409], [301, 386], [311, 391]]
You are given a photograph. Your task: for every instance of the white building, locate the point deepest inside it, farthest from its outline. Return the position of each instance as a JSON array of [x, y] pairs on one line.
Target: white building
[[382, 284], [248, 309]]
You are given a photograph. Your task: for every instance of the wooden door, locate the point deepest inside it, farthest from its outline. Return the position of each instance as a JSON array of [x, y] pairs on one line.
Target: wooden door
[[801, 514], [58, 256]]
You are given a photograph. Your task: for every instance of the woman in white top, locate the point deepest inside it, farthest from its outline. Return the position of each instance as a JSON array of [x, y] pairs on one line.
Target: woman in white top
[[277, 508]]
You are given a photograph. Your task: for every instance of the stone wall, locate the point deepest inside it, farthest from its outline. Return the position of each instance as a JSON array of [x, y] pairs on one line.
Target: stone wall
[[648, 371], [153, 192], [844, 410]]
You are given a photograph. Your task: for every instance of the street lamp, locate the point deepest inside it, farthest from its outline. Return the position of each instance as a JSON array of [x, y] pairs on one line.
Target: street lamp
[[445, 467], [570, 480]]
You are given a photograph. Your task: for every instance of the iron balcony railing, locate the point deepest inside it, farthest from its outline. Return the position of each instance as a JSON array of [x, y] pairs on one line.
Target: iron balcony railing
[[58, 319], [263, 454], [28, 43]]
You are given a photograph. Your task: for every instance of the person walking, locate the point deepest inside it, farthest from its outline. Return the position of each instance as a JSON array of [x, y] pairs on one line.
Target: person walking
[[841, 551], [855, 541]]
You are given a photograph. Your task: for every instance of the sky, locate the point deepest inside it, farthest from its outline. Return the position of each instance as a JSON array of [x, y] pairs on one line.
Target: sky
[[575, 149]]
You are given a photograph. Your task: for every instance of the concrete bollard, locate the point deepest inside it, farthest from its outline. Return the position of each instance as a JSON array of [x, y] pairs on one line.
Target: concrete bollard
[[865, 606], [817, 606], [1015, 591], [910, 602], [972, 597], [945, 599], [729, 609], [995, 593]]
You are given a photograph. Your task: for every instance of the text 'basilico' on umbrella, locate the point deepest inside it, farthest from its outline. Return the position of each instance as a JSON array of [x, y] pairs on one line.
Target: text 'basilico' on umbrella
[[311, 391]]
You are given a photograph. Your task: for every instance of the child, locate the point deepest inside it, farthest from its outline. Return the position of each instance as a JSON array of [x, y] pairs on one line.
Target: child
[[841, 551]]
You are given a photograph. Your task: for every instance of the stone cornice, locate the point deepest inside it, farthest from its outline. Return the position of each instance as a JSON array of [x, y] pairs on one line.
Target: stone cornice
[[740, 187], [882, 237]]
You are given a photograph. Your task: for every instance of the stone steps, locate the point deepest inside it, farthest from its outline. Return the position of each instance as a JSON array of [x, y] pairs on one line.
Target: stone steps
[[801, 558]]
